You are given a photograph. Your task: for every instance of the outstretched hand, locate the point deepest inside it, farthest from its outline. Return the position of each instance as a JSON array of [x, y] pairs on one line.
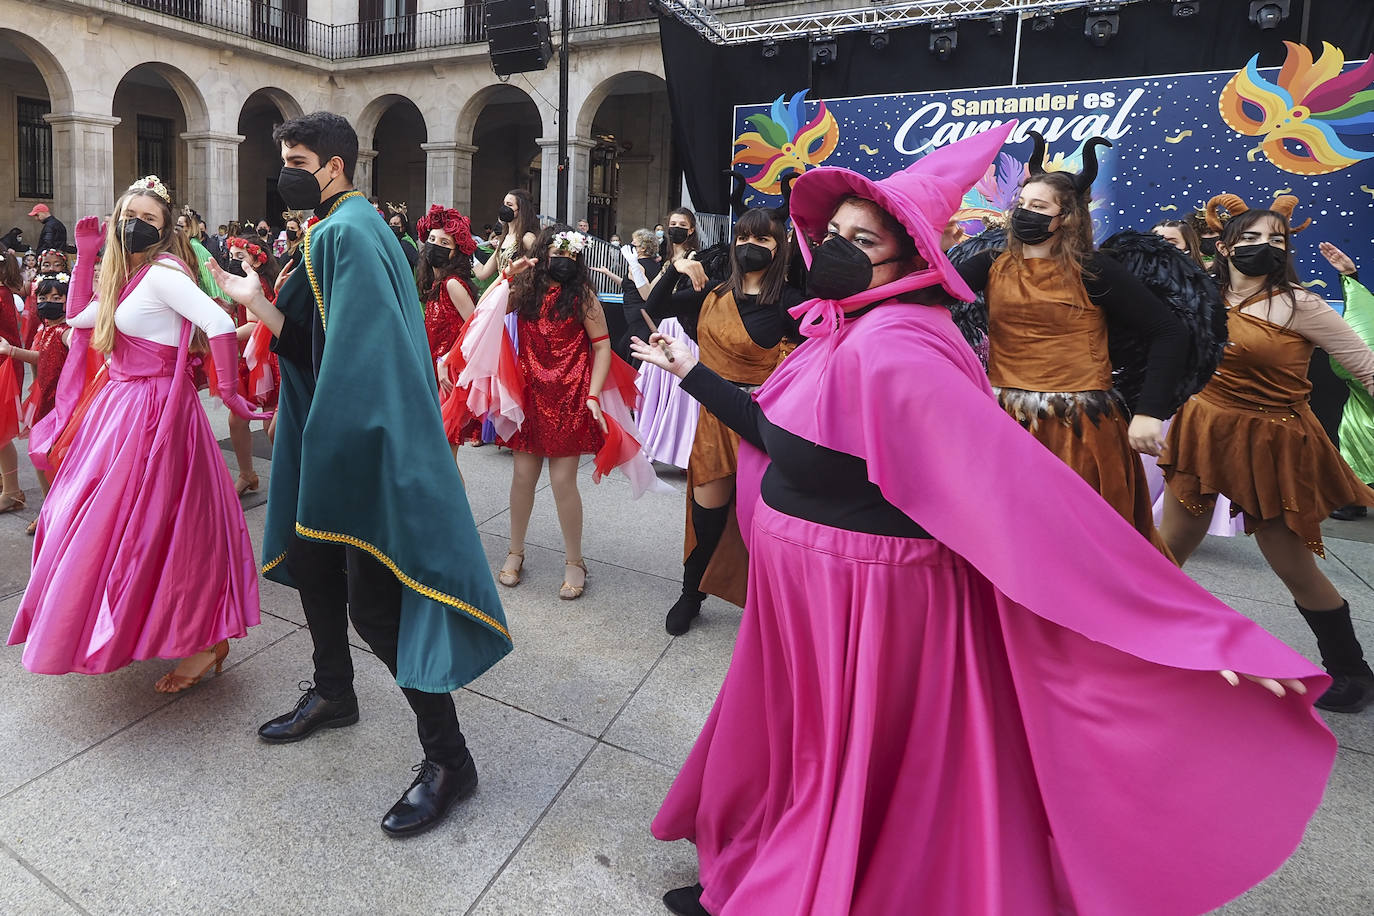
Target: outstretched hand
[[1278, 687], [242, 290], [1338, 259], [664, 352]]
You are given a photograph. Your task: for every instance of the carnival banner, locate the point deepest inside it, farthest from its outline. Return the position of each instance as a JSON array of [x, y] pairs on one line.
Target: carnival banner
[[1305, 129]]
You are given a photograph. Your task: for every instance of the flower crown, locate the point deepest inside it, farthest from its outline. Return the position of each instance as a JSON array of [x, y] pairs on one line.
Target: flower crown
[[154, 184], [57, 251], [259, 256], [569, 241], [60, 278], [450, 222]]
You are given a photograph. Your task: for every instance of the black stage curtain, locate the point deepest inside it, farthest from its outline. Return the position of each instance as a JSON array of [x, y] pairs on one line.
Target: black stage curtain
[[705, 81]]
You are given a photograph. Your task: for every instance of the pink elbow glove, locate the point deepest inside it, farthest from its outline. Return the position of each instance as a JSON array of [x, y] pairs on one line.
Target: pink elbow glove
[[89, 234], [225, 350]]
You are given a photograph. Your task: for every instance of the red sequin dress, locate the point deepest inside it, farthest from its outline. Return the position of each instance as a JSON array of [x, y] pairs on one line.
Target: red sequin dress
[[555, 361], [443, 323], [52, 354]]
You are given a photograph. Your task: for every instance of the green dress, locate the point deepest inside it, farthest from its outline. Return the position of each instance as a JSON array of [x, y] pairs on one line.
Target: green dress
[[360, 456], [1357, 422], [206, 282]]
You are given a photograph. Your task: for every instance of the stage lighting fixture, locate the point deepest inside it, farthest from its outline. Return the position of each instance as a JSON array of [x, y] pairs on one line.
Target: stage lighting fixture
[[823, 51], [997, 25], [1043, 22], [1185, 8], [944, 38], [1101, 24], [878, 40], [770, 49], [1267, 14]]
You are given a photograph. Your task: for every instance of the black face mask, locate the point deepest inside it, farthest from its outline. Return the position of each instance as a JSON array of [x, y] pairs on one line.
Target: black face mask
[[397, 230], [436, 255], [136, 235], [298, 188], [677, 234], [562, 269], [292, 235], [236, 267], [51, 311], [505, 214], [1209, 246], [1258, 260], [1031, 228], [752, 257], [839, 269]]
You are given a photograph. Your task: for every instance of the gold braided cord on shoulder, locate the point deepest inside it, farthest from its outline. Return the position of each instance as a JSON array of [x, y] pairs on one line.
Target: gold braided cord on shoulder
[[278, 560], [310, 266], [425, 590]]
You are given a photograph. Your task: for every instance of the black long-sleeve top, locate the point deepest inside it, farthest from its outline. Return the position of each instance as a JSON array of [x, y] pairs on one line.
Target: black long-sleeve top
[[803, 480], [767, 322], [300, 342], [1128, 302]]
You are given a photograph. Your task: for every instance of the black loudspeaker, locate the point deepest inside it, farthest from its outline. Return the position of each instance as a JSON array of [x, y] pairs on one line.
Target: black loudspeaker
[[518, 35]]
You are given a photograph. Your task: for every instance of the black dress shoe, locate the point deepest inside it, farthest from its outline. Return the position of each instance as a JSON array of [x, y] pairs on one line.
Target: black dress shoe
[[1347, 693], [312, 713], [1349, 513], [437, 789], [685, 901]]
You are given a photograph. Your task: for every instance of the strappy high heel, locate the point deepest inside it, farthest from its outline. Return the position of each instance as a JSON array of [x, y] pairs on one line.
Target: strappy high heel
[[171, 682], [510, 578], [569, 592]]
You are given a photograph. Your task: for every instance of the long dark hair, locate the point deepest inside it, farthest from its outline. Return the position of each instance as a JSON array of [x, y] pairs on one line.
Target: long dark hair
[[693, 242], [1283, 281], [11, 275], [526, 220], [1190, 237], [758, 222], [576, 298], [430, 280]]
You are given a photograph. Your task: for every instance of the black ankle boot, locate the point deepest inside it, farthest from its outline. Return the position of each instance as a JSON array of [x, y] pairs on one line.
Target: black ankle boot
[[1349, 513], [1352, 682], [708, 525], [685, 901]]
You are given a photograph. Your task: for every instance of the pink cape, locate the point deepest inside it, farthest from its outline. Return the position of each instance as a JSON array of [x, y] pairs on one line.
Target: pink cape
[[1160, 789]]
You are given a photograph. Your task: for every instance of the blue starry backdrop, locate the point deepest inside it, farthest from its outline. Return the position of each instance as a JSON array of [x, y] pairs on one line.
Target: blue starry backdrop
[[1172, 150]]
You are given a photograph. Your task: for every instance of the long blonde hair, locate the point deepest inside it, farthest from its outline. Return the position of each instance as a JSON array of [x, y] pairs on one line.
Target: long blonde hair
[[115, 266]]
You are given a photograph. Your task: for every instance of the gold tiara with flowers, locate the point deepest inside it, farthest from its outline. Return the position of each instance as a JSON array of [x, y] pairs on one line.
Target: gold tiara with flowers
[[154, 184]]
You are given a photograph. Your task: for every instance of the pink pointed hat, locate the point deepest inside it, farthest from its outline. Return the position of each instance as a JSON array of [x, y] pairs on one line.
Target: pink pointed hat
[[922, 197]]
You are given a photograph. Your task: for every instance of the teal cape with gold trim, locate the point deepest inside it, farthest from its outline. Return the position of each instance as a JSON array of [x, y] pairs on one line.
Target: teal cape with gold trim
[[360, 457], [1357, 420]]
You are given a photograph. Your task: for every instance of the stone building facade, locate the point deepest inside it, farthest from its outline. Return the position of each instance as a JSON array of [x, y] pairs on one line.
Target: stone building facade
[[96, 92]]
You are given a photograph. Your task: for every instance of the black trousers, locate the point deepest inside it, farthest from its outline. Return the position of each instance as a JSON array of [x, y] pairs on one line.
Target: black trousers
[[338, 582]]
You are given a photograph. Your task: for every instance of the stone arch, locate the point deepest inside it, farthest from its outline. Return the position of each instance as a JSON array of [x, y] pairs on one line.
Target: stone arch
[[375, 110], [286, 103], [193, 104], [59, 87], [495, 94], [630, 81], [258, 162]]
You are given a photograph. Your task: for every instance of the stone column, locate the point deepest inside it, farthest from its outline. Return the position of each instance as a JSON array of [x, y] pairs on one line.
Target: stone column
[[212, 187], [448, 175], [83, 165], [362, 172], [579, 153]]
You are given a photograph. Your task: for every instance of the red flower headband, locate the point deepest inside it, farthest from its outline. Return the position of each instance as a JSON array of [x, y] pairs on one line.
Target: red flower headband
[[255, 251], [455, 224]]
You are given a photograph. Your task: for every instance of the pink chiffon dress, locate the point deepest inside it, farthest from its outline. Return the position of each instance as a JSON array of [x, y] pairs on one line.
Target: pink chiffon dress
[[141, 550]]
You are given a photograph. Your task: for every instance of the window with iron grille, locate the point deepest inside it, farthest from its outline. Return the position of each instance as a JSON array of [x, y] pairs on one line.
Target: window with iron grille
[[156, 154], [35, 149]]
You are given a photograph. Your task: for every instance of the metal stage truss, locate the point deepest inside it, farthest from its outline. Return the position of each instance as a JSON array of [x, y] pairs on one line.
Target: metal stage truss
[[697, 15]]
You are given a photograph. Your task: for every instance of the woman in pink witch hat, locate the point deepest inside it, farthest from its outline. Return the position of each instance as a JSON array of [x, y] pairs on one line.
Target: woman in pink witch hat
[[931, 710]]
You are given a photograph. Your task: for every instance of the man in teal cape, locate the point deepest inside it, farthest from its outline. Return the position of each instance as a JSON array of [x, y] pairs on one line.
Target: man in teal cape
[[366, 514]]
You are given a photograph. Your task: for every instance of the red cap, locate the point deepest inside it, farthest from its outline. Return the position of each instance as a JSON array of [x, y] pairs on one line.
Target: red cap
[[40, 208]]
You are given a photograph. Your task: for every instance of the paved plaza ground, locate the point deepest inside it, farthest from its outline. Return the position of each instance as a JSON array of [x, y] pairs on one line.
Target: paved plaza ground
[[115, 799]]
